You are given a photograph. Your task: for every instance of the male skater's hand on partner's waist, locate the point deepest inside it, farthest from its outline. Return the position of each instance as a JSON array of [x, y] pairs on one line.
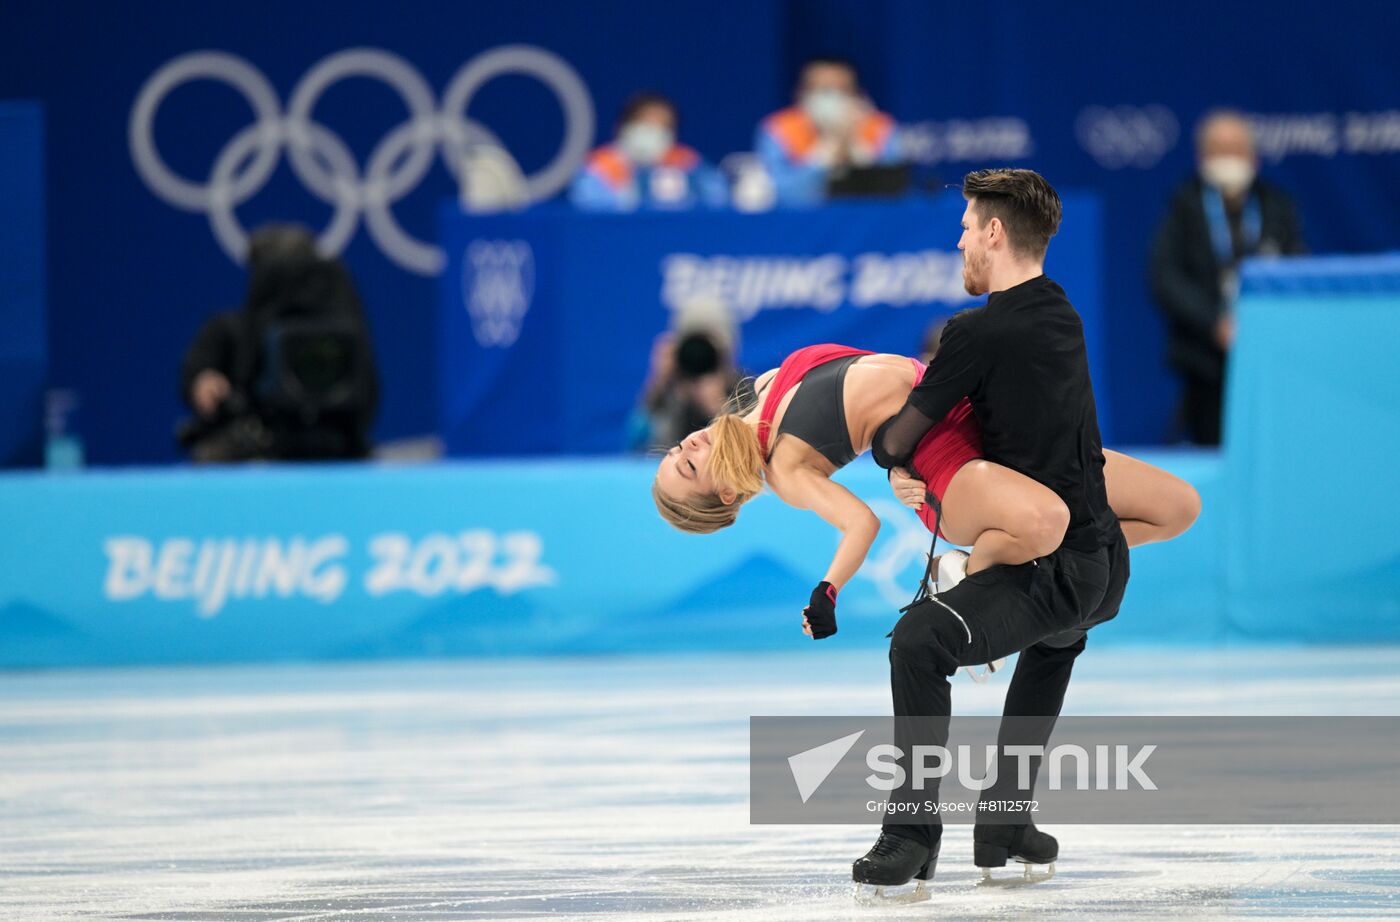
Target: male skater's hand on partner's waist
[[819, 617], [908, 489]]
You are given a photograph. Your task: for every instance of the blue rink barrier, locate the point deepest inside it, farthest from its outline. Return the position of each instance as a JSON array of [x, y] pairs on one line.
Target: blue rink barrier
[[1313, 450], [1297, 542], [474, 559]]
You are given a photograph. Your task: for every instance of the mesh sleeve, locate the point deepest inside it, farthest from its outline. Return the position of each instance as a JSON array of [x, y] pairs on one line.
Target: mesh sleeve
[[897, 438], [952, 375]]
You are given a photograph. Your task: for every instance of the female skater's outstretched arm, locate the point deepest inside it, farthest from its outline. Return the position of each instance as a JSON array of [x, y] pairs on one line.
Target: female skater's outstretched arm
[[804, 488]]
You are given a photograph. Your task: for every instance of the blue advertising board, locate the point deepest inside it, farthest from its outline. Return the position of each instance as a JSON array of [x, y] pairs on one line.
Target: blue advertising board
[[472, 558]]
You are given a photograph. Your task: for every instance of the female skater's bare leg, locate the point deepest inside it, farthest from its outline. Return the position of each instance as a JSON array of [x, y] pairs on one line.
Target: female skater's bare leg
[[1151, 504], [1006, 517]]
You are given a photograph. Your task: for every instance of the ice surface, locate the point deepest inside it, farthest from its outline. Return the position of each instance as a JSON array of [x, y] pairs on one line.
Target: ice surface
[[594, 789]]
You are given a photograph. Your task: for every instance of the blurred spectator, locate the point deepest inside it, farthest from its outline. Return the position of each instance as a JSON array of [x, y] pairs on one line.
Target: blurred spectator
[[645, 166], [833, 124], [933, 338], [693, 373], [1219, 216], [290, 375]]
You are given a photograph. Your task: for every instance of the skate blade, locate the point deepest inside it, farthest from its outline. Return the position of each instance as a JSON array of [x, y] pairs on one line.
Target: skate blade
[[982, 674], [875, 895], [1030, 874]]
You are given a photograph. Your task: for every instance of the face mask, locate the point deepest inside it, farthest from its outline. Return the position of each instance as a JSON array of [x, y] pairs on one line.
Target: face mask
[[645, 143], [1231, 175], [828, 108]]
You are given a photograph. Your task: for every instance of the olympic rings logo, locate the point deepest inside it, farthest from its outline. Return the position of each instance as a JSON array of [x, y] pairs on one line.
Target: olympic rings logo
[[1127, 136], [325, 164]]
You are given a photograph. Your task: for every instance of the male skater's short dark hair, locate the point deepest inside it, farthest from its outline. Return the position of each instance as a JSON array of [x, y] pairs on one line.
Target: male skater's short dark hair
[[1027, 205]]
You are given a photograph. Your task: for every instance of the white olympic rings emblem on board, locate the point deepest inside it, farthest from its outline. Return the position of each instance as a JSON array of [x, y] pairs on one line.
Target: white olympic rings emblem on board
[[1118, 137], [323, 162]]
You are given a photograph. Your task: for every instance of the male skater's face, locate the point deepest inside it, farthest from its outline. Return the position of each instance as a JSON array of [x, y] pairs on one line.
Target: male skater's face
[[976, 261]]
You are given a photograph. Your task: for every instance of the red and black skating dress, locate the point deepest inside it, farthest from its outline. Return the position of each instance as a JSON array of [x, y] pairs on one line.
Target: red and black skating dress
[[817, 416]]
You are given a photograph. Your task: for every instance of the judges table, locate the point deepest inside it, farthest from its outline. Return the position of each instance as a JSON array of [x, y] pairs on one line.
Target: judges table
[[547, 317]]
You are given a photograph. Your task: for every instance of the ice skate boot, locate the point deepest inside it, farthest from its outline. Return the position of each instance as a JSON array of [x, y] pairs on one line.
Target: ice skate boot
[[951, 568], [1035, 850], [892, 862]]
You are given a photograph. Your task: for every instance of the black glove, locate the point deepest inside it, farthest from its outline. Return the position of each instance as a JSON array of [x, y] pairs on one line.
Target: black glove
[[821, 611]]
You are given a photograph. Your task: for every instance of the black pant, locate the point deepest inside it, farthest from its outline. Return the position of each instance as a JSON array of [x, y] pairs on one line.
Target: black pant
[[1041, 609], [1201, 406]]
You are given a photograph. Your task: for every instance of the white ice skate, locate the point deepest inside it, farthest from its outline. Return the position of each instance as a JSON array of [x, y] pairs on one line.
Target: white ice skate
[[1033, 849], [1030, 874], [951, 570], [869, 895], [894, 862]]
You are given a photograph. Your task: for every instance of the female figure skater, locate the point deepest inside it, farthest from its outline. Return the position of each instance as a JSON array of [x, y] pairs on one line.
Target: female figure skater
[[820, 410]]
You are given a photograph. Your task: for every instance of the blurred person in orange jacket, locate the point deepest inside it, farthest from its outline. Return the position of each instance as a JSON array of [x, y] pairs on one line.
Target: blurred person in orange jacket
[[833, 124], [645, 166]]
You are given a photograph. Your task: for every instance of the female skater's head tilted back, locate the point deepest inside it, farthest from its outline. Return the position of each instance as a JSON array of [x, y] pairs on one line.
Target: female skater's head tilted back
[[701, 483]]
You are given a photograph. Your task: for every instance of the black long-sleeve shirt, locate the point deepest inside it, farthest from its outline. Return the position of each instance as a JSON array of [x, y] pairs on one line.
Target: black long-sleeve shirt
[[1022, 363]]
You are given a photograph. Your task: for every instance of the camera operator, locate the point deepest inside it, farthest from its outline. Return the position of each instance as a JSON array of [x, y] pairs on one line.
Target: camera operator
[[692, 374], [290, 376]]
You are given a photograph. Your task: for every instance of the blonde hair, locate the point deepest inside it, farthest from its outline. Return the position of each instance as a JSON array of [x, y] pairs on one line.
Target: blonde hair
[[736, 462]]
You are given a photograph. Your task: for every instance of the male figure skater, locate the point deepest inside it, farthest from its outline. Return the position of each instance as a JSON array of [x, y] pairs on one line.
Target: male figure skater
[[1022, 363]]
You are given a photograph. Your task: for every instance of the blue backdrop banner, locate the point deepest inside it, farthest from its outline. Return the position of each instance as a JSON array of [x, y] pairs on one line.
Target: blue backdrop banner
[[547, 317], [23, 322], [173, 127]]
